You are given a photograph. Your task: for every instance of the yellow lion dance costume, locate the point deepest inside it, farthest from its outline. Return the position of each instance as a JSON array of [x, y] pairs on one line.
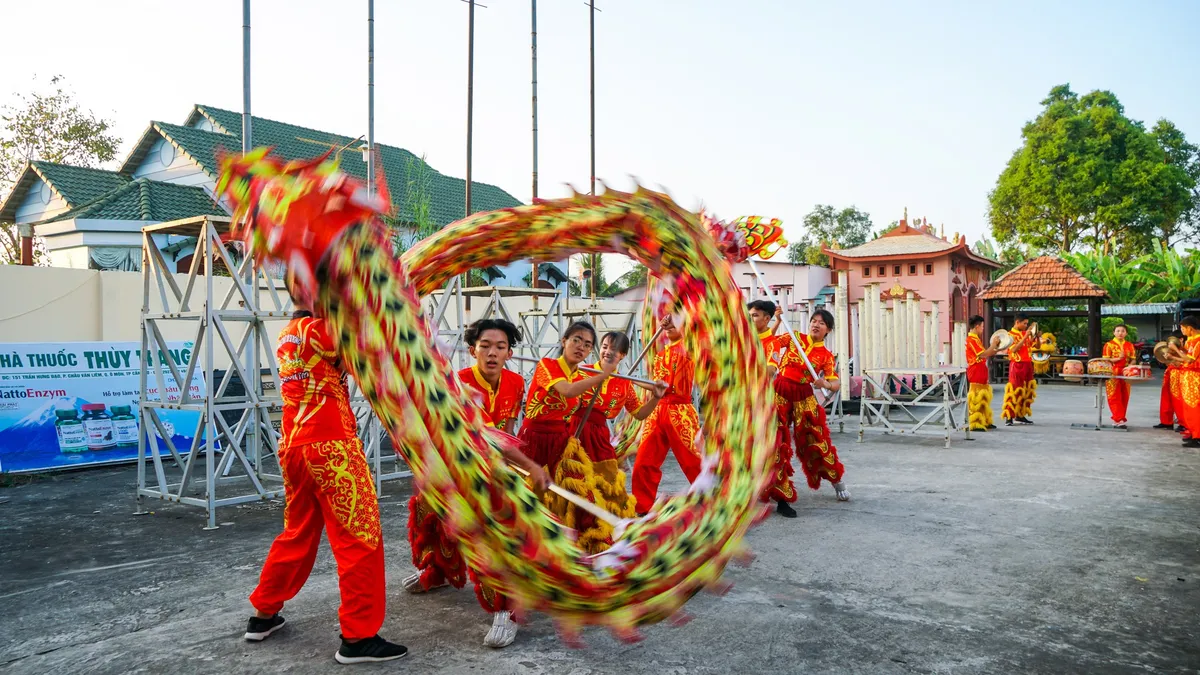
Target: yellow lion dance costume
[[1041, 355]]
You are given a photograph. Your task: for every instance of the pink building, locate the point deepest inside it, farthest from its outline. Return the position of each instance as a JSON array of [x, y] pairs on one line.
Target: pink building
[[913, 258]]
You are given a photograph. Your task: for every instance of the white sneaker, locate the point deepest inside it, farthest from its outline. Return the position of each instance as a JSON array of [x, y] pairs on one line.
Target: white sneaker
[[843, 494], [412, 584], [503, 632]]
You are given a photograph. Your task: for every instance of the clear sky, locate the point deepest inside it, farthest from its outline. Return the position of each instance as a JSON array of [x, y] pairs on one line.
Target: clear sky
[[755, 106]]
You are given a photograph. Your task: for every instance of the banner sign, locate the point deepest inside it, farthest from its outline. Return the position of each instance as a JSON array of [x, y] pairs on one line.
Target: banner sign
[[72, 404]]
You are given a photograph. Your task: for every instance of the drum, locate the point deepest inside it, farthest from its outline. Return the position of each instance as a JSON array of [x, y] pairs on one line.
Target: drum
[[1100, 367], [1005, 339], [1072, 370]]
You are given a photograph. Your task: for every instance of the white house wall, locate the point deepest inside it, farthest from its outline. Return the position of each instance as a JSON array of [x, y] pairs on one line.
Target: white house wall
[[179, 170], [40, 203], [75, 257]]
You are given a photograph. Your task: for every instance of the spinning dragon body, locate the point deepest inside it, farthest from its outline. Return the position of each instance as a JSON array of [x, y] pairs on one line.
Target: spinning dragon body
[[318, 222]]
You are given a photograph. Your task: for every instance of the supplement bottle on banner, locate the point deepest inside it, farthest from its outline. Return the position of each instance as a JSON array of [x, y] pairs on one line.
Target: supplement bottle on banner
[[71, 435], [99, 427], [125, 425]]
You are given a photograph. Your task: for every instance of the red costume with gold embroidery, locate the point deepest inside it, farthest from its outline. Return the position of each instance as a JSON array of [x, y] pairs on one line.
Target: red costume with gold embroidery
[[1166, 406], [615, 395], [979, 394], [327, 485], [544, 433], [434, 554], [1021, 389], [796, 406], [672, 425], [1122, 353], [1186, 381], [781, 487]]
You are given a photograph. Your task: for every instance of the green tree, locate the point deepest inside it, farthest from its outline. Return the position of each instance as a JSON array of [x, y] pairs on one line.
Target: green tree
[[413, 221], [1119, 279], [798, 250], [1009, 256], [1086, 175], [1177, 218], [49, 127], [828, 226]]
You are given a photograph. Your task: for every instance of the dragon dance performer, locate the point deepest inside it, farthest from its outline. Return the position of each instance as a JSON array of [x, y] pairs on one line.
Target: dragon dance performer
[[1186, 382], [781, 490], [1122, 354], [328, 487], [435, 555], [673, 424], [607, 487], [1021, 390], [797, 407], [979, 396]]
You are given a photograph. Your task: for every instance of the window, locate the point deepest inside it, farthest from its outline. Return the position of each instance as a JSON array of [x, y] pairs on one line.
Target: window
[[928, 268], [866, 270], [883, 270], [895, 270], [912, 269]]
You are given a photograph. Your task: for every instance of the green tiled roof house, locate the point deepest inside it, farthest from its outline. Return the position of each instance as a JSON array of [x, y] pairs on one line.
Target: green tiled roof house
[[92, 218]]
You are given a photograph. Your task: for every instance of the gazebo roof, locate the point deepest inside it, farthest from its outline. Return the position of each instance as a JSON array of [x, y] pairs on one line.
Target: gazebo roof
[[1044, 277]]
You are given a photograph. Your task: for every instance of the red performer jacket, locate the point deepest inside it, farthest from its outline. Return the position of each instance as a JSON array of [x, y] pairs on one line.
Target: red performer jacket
[[791, 365], [977, 368], [673, 366], [543, 403], [1122, 351], [316, 400], [614, 395], [501, 405]]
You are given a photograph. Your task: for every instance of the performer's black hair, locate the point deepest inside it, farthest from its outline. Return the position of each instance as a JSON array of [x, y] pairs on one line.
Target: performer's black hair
[[975, 321], [301, 314], [826, 316], [471, 336], [765, 306], [579, 327], [1178, 334], [1191, 322], [1022, 316], [618, 340]]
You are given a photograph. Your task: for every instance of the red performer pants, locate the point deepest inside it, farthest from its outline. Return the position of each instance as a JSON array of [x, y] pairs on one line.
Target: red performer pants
[[544, 441], [1118, 399], [1166, 411], [673, 426], [781, 488], [438, 559], [796, 405], [328, 487], [1020, 391]]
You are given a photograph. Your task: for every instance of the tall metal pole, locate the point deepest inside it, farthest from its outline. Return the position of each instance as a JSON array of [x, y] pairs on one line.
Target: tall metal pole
[[592, 93], [533, 274], [370, 97], [246, 131], [470, 94]]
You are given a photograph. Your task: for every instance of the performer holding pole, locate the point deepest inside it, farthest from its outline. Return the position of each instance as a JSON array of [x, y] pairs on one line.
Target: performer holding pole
[[672, 425], [328, 488], [435, 555], [781, 490], [979, 395], [1022, 387], [1122, 354]]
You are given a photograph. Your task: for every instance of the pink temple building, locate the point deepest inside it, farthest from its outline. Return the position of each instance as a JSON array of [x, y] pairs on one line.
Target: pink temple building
[[914, 258]]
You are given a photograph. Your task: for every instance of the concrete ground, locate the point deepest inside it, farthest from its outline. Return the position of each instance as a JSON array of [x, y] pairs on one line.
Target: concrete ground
[[1031, 550]]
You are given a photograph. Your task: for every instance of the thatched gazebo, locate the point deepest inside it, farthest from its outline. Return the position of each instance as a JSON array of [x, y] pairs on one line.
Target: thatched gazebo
[[1044, 278]]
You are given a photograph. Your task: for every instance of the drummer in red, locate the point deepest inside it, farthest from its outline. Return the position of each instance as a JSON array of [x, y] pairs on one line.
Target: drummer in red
[[673, 424], [797, 406], [1187, 382], [1167, 416], [328, 488], [1122, 353], [498, 391]]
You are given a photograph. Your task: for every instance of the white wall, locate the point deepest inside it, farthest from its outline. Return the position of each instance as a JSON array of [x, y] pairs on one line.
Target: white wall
[[40, 203], [180, 169]]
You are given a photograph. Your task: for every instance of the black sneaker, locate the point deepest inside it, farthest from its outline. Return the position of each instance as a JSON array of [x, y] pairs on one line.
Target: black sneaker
[[1179, 429], [785, 509], [1008, 423], [1191, 443], [1164, 426], [370, 650], [991, 426], [258, 629], [1024, 420]]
